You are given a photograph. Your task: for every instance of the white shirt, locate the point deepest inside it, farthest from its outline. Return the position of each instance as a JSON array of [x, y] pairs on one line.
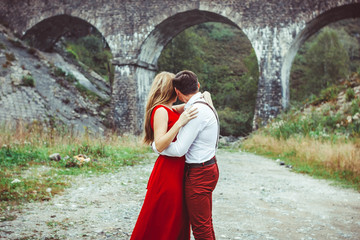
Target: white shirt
[[197, 139]]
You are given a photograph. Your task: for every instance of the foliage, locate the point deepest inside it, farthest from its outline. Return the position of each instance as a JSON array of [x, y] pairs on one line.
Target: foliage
[[350, 94], [222, 58], [28, 81], [93, 52], [70, 78], [321, 138], [59, 72], [324, 59]]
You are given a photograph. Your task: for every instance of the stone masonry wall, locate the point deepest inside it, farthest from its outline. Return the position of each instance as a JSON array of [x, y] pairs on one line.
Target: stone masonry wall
[[137, 31]]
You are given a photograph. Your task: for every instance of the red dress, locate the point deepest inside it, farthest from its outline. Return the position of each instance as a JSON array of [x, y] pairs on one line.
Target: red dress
[[163, 215]]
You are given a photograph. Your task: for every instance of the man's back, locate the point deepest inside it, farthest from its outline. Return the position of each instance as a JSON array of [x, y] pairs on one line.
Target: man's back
[[197, 139]]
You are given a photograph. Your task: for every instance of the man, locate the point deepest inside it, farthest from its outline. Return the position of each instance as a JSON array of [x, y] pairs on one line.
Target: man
[[197, 140]]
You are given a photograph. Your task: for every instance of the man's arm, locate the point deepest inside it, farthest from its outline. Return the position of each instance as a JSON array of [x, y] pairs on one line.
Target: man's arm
[[184, 139]]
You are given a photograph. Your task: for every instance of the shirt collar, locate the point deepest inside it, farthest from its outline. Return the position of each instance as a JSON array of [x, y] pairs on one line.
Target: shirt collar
[[193, 99]]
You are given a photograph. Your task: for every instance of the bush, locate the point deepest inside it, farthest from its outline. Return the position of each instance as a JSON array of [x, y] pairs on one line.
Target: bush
[[70, 78], [234, 123], [59, 72], [350, 94], [28, 81], [90, 51], [10, 57], [327, 94]]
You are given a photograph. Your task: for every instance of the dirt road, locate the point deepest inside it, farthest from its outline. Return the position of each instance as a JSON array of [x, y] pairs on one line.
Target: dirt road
[[255, 198]]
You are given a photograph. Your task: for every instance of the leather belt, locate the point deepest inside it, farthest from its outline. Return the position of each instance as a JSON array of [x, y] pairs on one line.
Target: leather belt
[[196, 165]]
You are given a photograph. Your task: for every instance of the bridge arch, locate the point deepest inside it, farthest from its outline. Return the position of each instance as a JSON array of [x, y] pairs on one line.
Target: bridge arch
[[44, 34], [158, 38], [313, 26]]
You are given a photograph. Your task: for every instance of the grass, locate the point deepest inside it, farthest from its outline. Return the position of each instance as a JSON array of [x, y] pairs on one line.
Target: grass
[[27, 174], [338, 161]]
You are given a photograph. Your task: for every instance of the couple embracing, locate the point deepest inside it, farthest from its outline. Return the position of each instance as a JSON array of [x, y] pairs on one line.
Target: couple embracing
[[179, 191]]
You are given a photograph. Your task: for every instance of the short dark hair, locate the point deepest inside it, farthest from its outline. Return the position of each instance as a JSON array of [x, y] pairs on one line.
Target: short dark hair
[[186, 82]]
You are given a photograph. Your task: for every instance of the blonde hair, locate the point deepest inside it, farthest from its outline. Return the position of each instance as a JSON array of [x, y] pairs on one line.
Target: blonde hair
[[161, 92]]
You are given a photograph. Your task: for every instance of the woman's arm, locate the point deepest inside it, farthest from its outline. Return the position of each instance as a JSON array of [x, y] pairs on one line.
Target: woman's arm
[[162, 137]]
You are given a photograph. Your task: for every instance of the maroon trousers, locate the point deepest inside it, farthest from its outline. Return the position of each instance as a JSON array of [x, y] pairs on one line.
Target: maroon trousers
[[199, 185]]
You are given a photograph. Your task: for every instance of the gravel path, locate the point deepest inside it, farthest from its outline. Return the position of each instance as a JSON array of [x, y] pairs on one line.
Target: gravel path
[[255, 199]]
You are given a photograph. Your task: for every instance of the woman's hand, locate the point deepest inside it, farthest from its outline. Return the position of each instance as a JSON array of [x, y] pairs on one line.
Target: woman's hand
[[187, 115]]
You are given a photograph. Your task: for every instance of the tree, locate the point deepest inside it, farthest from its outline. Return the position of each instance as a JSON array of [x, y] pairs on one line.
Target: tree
[[222, 58], [321, 62]]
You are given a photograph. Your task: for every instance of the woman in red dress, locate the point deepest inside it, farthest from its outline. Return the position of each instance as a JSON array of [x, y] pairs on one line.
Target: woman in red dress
[[163, 215]]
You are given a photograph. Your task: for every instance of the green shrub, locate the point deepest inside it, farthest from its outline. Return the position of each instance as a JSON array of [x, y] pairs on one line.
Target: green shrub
[[90, 51], [70, 78], [59, 72], [28, 81], [234, 123], [327, 94], [350, 94], [355, 106], [87, 93]]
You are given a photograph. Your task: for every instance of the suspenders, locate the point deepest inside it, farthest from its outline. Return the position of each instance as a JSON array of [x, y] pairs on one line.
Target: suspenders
[[217, 118]]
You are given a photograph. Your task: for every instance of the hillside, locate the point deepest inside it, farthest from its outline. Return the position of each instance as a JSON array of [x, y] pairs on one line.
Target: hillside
[[321, 138], [45, 87]]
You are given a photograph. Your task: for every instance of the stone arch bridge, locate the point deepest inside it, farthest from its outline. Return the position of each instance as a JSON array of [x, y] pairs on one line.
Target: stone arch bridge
[[138, 30]]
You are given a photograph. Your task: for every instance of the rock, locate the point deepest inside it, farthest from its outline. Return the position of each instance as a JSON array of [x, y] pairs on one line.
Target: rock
[[16, 181], [16, 79], [55, 157]]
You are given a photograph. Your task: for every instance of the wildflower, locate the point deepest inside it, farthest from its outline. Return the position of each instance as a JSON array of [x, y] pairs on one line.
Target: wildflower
[[337, 125], [349, 119]]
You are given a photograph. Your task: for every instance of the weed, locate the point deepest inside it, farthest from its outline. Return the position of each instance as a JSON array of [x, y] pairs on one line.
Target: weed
[[28, 81], [350, 94], [71, 78], [88, 93], [2, 46], [10, 57], [59, 72]]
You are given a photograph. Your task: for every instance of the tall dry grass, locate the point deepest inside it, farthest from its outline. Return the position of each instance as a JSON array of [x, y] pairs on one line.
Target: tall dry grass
[[336, 158], [37, 135]]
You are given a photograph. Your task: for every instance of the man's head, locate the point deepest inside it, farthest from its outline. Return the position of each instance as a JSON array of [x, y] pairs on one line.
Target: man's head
[[186, 84]]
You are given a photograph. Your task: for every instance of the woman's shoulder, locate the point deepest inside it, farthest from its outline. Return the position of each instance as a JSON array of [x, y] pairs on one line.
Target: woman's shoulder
[[161, 108]]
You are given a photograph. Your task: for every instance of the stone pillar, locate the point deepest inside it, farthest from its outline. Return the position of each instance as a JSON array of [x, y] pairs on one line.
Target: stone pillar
[[124, 99], [271, 45], [130, 89]]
